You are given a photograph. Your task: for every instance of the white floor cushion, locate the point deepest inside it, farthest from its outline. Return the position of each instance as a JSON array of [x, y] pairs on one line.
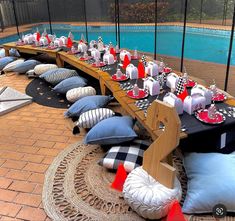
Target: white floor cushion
[[80, 92], [148, 197], [42, 68]]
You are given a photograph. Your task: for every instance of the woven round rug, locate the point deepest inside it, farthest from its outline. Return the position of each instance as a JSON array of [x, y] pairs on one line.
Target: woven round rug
[[77, 188]]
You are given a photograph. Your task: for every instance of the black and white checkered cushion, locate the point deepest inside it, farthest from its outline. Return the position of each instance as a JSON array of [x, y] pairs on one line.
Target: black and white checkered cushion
[[130, 155]]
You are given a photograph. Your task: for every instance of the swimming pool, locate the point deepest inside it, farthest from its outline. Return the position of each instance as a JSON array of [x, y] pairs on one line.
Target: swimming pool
[[201, 44]]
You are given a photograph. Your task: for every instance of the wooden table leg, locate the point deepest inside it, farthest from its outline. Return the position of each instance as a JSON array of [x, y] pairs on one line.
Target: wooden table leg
[[59, 61], [103, 87], [7, 53]]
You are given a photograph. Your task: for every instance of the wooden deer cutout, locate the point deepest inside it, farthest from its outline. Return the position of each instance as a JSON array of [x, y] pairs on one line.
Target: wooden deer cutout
[[155, 157]]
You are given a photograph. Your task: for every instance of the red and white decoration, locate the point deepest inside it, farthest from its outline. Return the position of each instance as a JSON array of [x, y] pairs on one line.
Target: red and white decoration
[[173, 100], [132, 71], [199, 89], [152, 86], [193, 103], [151, 69]]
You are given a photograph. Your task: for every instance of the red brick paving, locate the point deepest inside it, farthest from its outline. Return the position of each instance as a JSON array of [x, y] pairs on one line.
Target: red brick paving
[[30, 138]]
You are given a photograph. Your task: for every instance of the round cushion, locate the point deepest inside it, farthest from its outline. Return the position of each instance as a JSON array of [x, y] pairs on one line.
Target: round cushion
[[77, 93], [12, 65], [148, 197], [42, 68]]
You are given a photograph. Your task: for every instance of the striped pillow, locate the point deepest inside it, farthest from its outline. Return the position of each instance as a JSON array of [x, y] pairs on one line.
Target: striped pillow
[[12, 65], [42, 68], [25, 66], [55, 76], [80, 92], [92, 117]]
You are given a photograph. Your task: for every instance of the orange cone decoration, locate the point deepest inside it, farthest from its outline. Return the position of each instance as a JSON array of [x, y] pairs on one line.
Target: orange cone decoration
[[120, 178], [126, 62], [183, 95], [141, 70], [181, 90], [69, 43], [48, 39], [175, 213], [38, 36], [112, 51]]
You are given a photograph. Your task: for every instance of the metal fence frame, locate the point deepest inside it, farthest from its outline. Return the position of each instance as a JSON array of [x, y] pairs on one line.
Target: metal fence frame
[[184, 8]]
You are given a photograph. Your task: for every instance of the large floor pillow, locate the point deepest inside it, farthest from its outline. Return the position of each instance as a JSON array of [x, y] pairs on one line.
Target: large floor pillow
[[114, 130], [86, 104], [90, 118], [14, 52], [147, 196], [10, 67], [55, 76], [5, 61], [70, 83], [129, 154], [78, 93], [25, 66], [42, 68], [211, 181]]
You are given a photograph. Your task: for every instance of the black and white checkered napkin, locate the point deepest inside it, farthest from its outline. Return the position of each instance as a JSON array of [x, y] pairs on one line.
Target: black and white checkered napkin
[[143, 104], [126, 86]]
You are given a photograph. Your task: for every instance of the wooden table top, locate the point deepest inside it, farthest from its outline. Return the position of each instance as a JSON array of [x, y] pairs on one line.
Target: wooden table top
[[29, 49]]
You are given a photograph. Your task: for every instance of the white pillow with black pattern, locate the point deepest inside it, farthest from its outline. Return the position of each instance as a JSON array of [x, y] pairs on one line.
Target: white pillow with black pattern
[[80, 92], [42, 68], [90, 118], [55, 76], [129, 154]]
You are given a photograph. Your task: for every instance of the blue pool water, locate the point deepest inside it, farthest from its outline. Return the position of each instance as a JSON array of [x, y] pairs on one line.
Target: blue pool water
[[200, 44]]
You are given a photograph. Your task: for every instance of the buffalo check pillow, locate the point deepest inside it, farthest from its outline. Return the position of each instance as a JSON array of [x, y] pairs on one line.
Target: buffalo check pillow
[[129, 154]]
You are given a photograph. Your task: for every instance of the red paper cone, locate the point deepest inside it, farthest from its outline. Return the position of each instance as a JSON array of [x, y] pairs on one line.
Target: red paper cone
[[183, 95], [38, 36], [141, 70], [48, 39], [126, 62], [69, 43], [120, 178], [175, 213], [112, 51]]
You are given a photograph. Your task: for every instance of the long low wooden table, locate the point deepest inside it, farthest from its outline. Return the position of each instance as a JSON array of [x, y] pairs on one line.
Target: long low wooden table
[[156, 159], [29, 49]]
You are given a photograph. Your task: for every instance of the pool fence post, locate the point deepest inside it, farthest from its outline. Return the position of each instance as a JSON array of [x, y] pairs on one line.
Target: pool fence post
[[118, 23], [115, 19], [225, 14], [49, 16], [1, 20], [155, 32], [16, 20], [85, 18], [230, 51], [201, 7], [184, 31]]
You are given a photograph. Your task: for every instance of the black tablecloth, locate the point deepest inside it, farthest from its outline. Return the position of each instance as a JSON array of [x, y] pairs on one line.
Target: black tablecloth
[[201, 137]]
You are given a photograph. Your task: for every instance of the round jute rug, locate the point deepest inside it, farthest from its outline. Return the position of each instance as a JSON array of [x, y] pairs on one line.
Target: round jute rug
[[77, 188]]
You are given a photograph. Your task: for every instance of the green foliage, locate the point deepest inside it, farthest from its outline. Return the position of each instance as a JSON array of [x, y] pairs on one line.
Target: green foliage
[[143, 11]]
